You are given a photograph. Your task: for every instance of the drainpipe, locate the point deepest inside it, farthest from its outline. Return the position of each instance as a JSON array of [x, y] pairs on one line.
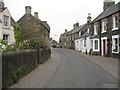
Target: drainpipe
[[100, 36]]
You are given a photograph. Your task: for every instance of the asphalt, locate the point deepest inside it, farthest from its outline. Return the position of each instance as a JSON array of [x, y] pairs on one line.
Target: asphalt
[[72, 69], [77, 71]]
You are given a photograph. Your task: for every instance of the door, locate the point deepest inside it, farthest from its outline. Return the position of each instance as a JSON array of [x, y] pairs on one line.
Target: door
[[104, 48]]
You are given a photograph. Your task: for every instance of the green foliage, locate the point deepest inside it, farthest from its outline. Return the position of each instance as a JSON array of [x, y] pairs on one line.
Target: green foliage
[[23, 44], [17, 34], [37, 44], [18, 74]]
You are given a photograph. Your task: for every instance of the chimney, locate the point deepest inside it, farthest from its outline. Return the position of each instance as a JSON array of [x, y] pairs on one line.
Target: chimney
[[107, 4], [65, 30], [36, 15], [28, 10], [89, 18], [74, 26], [1, 5], [77, 24]]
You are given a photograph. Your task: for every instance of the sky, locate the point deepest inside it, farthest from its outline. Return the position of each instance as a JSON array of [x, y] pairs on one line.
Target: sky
[[60, 14]]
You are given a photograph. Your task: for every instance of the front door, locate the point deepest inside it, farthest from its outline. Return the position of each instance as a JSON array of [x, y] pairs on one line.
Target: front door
[[104, 48]]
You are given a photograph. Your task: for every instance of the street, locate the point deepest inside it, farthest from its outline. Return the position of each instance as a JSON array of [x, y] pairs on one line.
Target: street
[[75, 71], [69, 69]]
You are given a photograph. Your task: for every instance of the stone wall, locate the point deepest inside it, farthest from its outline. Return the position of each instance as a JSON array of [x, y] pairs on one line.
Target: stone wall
[[16, 65]]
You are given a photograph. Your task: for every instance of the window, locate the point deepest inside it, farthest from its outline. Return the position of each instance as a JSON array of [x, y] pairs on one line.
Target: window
[[5, 38], [6, 18], [96, 44], [95, 29], [115, 44], [88, 30], [84, 43], [104, 26], [115, 22]]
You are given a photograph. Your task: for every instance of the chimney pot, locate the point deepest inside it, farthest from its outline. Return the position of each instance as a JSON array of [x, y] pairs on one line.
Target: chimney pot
[[89, 18], [65, 30]]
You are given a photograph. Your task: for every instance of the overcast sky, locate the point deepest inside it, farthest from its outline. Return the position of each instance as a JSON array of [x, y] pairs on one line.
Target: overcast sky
[[60, 14]]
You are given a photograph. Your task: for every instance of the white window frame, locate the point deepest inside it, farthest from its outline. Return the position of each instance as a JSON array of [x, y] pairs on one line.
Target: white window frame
[[104, 26], [94, 45], [114, 25], [113, 44], [88, 30], [95, 29]]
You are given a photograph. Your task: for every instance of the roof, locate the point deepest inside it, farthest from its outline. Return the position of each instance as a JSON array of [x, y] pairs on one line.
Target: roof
[[111, 10], [3, 9], [46, 25], [13, 23]]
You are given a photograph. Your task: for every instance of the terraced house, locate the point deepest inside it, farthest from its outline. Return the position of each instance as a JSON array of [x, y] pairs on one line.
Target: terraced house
[[83, 42], [106, 31], [6, 24], [32, 27]]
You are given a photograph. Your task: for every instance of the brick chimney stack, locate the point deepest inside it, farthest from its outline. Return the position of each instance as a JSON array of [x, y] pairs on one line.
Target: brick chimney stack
[[28, 10], [1, 5], [36, 15], [89, 18], [107, 4], [65, 30]]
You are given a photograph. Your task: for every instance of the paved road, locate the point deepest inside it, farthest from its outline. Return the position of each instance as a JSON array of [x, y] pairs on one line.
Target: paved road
[[77, 71]]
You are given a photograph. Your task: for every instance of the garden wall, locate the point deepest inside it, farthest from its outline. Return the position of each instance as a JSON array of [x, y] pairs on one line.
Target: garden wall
[[16, 65]]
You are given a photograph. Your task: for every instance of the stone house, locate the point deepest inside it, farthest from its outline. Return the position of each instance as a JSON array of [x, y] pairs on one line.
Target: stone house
[[106, 31], [32, 27], [62, 40], [6, 24], [72, 35]]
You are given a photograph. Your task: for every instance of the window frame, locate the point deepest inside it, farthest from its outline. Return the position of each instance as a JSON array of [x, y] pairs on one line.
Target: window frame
[[84, 43], [113, 44], [104, 26], [94, 49], [114, 22], [6, 21], [95, 29], [6, 39]]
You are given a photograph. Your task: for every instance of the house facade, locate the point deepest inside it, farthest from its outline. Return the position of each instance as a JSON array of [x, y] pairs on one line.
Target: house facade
[[6, 25], [32, 27], [106, 32], [83, 42]]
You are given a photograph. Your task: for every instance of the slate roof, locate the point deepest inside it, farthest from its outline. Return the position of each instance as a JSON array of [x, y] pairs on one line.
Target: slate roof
[[46, 25], [13, 23], [111, 10], [3, 9]]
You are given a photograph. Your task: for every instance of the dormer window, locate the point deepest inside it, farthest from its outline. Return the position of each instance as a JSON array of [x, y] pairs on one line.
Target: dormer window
[[104, 26], [115, 22], [95, 29], [6, 20]]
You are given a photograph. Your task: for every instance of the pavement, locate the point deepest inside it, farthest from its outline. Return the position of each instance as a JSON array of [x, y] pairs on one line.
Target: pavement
[[41, 75], [72, 69]]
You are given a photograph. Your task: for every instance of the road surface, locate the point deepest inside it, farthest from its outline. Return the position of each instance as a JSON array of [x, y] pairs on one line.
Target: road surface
[[76, 71]]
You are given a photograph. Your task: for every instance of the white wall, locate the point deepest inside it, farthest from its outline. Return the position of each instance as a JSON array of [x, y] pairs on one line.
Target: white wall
[[79, 44], [7, 30]]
